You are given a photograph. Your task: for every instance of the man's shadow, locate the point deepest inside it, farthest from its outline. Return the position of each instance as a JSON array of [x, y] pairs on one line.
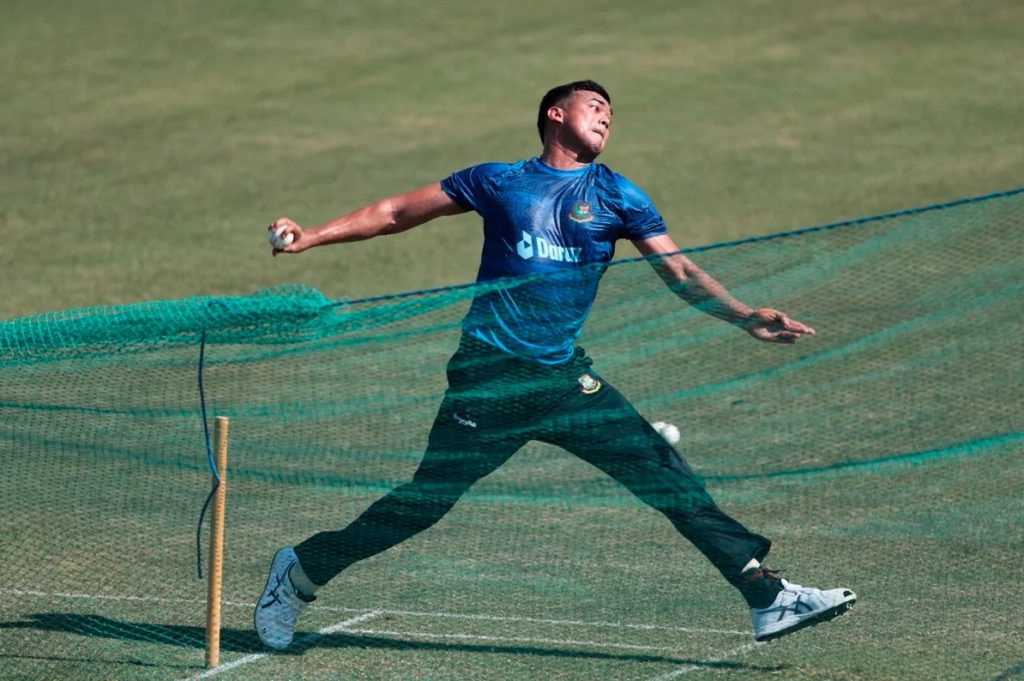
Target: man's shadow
[[245, 641]]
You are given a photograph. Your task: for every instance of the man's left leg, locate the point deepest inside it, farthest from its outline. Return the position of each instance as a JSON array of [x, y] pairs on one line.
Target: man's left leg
[[604, 429]]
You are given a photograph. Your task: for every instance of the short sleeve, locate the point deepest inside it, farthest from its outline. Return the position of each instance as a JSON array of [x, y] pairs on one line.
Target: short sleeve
[[641, 220], [470, 187]]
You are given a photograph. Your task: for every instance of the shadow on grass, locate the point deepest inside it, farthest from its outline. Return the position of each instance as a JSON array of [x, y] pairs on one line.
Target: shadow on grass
[[1016, 671], [245, 641], [142, 664]]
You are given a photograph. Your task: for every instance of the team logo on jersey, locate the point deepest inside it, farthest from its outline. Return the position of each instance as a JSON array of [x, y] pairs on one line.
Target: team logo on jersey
[[589, 384], [581, 212]]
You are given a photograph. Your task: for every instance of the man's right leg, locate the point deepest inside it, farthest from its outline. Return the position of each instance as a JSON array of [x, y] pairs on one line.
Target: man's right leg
[[457, 456], [461, 449], [442, 478]]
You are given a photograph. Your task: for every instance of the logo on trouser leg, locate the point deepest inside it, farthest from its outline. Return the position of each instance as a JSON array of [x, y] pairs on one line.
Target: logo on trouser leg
[[463, 421], [589, 384]]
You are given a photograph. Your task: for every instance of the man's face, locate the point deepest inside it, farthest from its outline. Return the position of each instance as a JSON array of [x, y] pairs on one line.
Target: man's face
[[587, 117]]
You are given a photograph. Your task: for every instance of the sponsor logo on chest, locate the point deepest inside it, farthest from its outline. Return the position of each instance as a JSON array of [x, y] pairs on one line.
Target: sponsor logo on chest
[[538, 247]]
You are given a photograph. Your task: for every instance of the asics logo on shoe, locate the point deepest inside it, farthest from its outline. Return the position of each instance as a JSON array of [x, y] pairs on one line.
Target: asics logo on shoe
[[273, 596], [797, 607]]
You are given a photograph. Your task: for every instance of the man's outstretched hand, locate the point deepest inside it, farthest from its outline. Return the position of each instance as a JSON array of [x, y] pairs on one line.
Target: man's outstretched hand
[[773, 326], [286, 237]]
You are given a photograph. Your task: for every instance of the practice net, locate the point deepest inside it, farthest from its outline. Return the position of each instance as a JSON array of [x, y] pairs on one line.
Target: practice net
[[896, 430]]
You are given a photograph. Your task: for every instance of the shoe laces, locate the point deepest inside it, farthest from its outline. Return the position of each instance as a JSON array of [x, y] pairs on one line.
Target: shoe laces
[[774, 575], [286, 594]]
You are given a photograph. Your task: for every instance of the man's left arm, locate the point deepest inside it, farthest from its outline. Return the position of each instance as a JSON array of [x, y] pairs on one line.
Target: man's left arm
[[700, 289]]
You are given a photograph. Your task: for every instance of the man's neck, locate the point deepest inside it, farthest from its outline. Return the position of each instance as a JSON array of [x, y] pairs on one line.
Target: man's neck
[[561, 157]]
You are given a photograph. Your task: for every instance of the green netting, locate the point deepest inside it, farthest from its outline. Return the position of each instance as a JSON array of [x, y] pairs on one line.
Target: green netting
[[884, 453]]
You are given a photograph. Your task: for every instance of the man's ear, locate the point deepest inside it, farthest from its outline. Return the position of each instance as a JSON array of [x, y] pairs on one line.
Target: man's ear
[[556, 114]]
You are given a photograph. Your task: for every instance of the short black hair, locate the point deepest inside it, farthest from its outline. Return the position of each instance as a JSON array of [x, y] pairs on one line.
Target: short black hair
[[560, 92]]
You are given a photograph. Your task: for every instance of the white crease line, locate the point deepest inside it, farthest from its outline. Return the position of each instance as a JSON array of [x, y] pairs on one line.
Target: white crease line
[[511, 639], [414, 613], [310, 638], [578, 623], [406, 613], [228, 667], [704, 664], [304, 640], [99, 597]]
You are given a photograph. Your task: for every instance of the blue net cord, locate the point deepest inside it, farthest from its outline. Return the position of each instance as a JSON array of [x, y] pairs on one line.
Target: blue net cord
[[209, 457], [802, 231]]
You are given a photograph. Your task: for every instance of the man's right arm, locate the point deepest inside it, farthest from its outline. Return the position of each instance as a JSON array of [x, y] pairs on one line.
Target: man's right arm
[[387, 216]]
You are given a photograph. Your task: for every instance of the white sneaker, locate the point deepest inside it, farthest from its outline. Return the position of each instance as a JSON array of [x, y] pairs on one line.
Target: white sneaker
[[279, 607], [797, 607]]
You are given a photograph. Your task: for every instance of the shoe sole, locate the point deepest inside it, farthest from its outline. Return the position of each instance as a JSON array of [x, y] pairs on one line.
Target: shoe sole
[[255, 610], [820, 618]]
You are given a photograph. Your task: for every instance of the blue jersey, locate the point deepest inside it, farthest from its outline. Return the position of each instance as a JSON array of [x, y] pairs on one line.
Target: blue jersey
[[555, 230]]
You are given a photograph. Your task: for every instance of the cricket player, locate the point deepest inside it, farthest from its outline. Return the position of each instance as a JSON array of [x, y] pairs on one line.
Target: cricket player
[[518, 376]]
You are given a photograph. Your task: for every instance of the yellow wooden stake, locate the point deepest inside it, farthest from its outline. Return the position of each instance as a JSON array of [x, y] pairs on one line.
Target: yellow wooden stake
[[213, 590]]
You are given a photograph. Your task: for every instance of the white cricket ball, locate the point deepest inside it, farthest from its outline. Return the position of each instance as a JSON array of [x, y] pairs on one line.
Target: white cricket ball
[[281, 242], [667, 431]]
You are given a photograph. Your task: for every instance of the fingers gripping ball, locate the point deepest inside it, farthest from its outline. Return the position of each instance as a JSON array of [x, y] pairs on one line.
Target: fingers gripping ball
[[667, 431], [278, 239]]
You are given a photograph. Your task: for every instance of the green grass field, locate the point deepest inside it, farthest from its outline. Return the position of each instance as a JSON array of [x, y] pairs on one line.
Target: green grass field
[[144, 149]]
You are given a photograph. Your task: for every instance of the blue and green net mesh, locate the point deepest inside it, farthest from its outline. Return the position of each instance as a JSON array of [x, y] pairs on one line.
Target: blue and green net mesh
[[885, 453]]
